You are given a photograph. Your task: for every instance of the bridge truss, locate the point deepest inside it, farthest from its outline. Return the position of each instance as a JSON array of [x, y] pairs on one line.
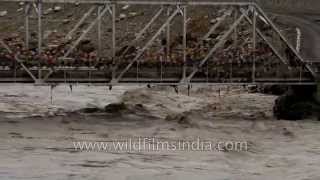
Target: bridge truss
[[161, 42]]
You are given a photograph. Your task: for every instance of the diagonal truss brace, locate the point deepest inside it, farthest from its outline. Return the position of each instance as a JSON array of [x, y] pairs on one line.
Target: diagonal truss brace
[[314, 74], [217, 24], [217, 46], [18, 60], [140, 34], [84, 17], [265, 38], [148, 44], [83, 35]]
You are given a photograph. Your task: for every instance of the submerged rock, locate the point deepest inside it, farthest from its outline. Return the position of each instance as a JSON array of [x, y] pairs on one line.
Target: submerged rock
[[115, 107], [90, 110], [181, 119]]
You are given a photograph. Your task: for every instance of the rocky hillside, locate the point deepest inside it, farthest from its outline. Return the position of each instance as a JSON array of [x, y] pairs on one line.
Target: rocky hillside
[[299, 6]]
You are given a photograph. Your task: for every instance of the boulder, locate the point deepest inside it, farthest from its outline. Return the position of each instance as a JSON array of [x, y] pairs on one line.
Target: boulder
[[57, 8], [115, 107], [122, 16], [296, 104], [181, 119], [274, 89], [125, 7], [3, 13]]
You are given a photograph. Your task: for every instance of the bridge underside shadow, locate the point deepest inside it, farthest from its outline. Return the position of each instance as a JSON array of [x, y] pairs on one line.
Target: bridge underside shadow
[[168, 43]]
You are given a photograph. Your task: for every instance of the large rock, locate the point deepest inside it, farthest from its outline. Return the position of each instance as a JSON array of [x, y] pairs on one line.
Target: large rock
[[115, 108], [297, 104], [274, 89], [3, 13]]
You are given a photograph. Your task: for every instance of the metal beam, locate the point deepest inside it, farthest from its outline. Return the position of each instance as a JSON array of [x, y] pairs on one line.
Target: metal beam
[[144, 2], [184, 43], [254, 43], [168, 36], [84, 17], [140, 34], [18, 60], [283, 38], [99, 32], [265, 39], [216, 25], [217, 46], [78, 40], [84, 34], [40, 34], [27, 28], [114, 43], [149, 43]]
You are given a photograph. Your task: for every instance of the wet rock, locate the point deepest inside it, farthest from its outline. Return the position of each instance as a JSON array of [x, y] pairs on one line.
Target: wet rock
[[287, 132], [20, 10], [86, 46], [48, 11], [274, 89], [115, 107], [57, 8], [90, 110], [254, 115], [213, 21], [181, 119], [66, 21], [122, 16], [125, 7], [3, 13], [133, 14], [252, 88], [297, 104]]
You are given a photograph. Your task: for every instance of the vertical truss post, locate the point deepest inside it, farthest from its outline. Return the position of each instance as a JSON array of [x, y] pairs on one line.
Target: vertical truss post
[[220, 43], [39, 27], [140, 34], [254, 43], [84, 34], [275, 51], [235, 42], [40, 34], [168, 36], [184, 42], [146, 46], [27, 12], [99, 32], [114, 40]]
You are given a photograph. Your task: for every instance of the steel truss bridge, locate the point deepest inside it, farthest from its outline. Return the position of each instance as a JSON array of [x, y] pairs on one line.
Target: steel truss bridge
[[239, 25]]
